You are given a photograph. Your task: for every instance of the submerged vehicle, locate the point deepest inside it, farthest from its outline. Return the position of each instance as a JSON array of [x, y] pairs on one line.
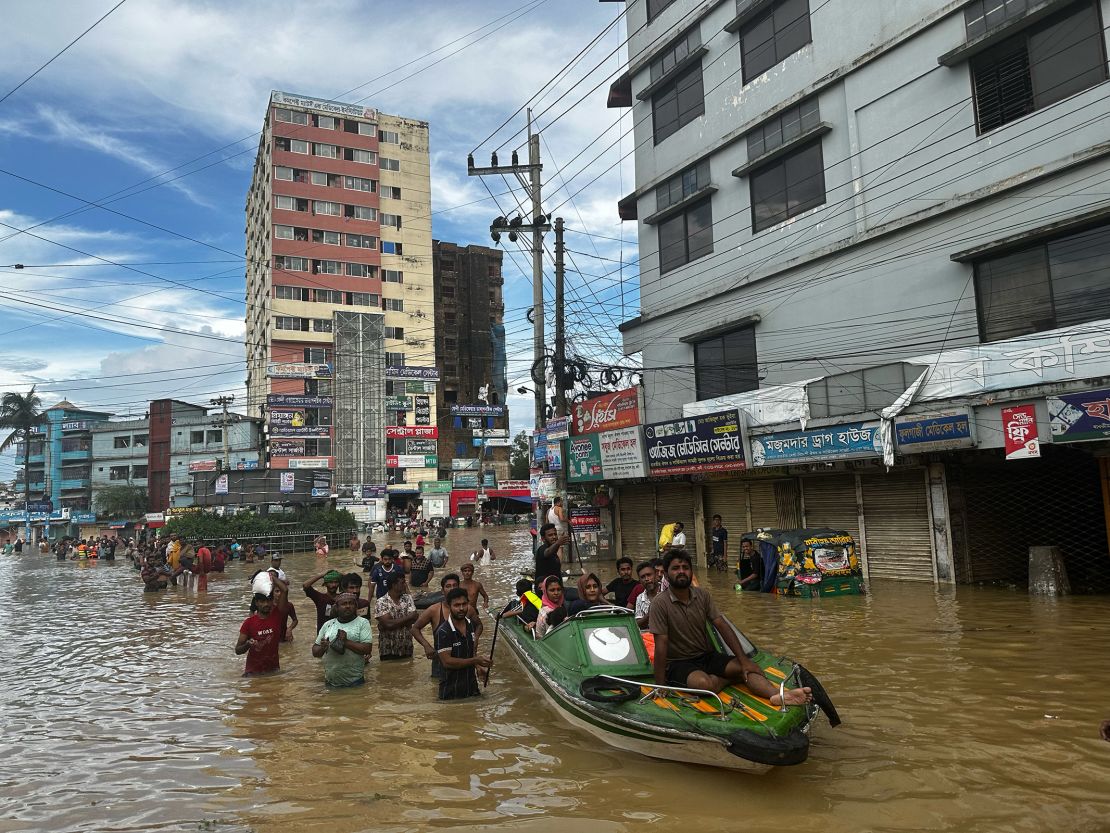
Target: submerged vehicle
[[807, 562], [595, 668]]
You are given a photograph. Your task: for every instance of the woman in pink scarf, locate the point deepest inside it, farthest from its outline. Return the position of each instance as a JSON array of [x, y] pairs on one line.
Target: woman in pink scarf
[[553, 610]]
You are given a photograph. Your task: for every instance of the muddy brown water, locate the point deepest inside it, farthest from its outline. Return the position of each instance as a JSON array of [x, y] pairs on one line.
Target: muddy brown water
[[964, 709]]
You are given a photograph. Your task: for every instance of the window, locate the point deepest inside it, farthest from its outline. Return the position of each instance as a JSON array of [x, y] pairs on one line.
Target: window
[[677, 104], [196, 438], [393, 276], [449, 318], [290, 293], [119, 473], [1060, 283], [361, 212], [450, 344], [290, 203], [391, 248], [329, 237], [325, 207], [316, 355], [981, 17], [726, 364], [321, 325], [327, 296], [327, 151], [291, 264], [362, 241], [655, 8], [785, 127], [367, 157], [215, 437], [392, 220], [362, 299], [358, 183], [121, 442], [318, 178], [394, 359], [788, 186], [391, 192], [360, 127], [686, 236], [327, 267], [283, 232], [318, 447], [359, 270], [290, 116], [390, 164], [327, 122], [291, 145], [1045, 63], [139, 472], [395, 332], [388, 136], [394, 305], [140, 441], [677, 188], [289, 322], [281, 172], [779, 32]]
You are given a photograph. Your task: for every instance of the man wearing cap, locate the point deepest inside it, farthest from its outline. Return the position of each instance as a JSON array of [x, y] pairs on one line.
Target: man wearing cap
[[260, 633], [345, 643], [275, 566], [324, 601]]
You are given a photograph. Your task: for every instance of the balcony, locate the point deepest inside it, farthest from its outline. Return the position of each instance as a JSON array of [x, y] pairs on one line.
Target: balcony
[[39, 458], [38, 486], [78, 454], [75, 483]]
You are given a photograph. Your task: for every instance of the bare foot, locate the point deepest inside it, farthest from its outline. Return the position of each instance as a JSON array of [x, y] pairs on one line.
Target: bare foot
[[793, 697]]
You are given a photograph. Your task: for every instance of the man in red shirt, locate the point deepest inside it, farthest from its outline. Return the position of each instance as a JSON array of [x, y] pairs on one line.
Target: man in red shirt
[[203, 566], [260, 633]]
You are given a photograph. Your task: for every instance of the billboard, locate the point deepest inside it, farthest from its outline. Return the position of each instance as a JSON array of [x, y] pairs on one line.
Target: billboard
[[1078, 417], [300, 431], [309, 463], [693, 445], [281, 417], [204, 465], [435, 487], [606, 413], [411, 461], [406, 372], [421, 446], [299, 370]]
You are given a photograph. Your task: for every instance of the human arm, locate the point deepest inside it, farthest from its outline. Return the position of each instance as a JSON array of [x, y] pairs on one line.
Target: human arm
[[244, 644], [417, 631], [293, 622], [482, 593], [308, 585], [320, 646], [449, 661], [660, 661]]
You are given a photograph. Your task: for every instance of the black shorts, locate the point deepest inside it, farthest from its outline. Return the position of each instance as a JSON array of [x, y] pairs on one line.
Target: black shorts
[[712, 663]]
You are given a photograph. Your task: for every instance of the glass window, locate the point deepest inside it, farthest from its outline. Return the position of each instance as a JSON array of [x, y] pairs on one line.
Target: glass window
[[773, 36], [362, 241], [677, 53], [297, 146], [327, 151], [290, 116], [361, 212], [357, 270], [393, 276], [394, 305], [119, 473], [140, 441], [395, 332], [392, 220], [215, 436], [316, 355], [327, 122], [362, 299], [121, 442], [785, 127], [686, 236], [787, 186], [321, 325], [138, 472], [677, 104], [327, 267], [283, 292], [388, 136], [318, 178], [358, 183], [655, 7], [196, 438], [285, 203], [283, 232], [392, 192], [366, 157], [281, 172], [325, 207], [390, 164], [681, 186], [726, 364], [330, 238], [390, 248]]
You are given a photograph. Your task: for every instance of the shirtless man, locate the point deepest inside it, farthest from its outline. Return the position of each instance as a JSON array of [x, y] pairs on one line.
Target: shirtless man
[[434, 616], [473, 588]]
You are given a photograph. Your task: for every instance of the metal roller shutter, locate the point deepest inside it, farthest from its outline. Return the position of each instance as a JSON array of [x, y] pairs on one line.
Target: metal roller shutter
[[898, 526], [765, 510], [789, 511], [639, 535], [831, 502], [729, 499], [675, 502]]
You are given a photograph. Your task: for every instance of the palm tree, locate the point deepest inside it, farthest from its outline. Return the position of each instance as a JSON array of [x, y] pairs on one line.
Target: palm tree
[[21, 413]]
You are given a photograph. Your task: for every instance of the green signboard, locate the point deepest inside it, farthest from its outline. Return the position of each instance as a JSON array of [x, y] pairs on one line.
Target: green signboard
[[420, 387], [397, 403], [582, 458], [435, 487]]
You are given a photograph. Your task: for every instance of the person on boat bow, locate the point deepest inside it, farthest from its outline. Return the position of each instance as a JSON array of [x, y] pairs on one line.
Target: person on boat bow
[[684, 655]]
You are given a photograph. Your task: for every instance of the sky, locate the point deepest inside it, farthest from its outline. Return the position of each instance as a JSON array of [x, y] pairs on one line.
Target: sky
[[154, 114]]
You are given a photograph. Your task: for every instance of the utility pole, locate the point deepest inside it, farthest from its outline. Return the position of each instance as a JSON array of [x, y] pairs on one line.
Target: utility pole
[[225, 422], [560, 373]]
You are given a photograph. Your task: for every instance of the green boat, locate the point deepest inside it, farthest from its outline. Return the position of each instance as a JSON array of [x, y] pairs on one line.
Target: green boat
[[595, 669]]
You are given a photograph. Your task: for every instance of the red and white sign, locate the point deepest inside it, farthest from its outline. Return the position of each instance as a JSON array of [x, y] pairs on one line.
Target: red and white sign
[[1019, 428], [203, 465], [423, 432], [605, 413], [512, 485]]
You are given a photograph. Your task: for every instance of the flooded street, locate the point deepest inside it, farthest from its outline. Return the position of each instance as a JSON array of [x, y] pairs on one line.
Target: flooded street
[[964, 709]]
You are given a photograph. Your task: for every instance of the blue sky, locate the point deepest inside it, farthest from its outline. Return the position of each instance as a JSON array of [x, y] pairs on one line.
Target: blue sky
[[181, 87]]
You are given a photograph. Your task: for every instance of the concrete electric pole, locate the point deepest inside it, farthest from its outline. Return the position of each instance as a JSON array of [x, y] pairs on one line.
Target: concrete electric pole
[[224, 423]]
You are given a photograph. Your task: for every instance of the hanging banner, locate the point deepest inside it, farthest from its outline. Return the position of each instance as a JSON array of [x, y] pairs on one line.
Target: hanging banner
[[400, 432], [1078, 417], [835, 442], [286, 448], [1019, 429], [554, 455], [622, 454], [221, 484], [539, 447], [534, 476], [204, 465], [585, 519], [606, 413], [558, 428], [423, 407], [286, 400], [397, 403], [478, 410], [287, 481], [695, 445], [427, 374], [583, 459]]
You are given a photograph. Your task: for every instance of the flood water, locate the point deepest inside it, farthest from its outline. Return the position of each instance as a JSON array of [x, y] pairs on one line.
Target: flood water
[[964, 709]]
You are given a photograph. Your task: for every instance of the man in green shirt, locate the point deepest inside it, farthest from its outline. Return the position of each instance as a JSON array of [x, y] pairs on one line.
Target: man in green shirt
[[345, 643]]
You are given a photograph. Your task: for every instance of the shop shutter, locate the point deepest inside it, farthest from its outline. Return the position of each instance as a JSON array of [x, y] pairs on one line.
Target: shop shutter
[[639, 533], [765, 509], [729, 499], [897, 526], [786, 498], [675, 502], [831, 502]]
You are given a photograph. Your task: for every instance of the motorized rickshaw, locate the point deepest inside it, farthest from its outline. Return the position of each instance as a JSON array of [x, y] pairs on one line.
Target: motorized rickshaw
[[806, 562]]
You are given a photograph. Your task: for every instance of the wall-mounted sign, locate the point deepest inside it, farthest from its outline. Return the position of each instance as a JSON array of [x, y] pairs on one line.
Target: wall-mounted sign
[[835, 442], [154, 517], [491, 432], [397, 403], [554, 455], [495, 442], [934, 432], [40, 507], [246, 465], [204, 465], [539, 447], [558, 428], [548, 487], [583, 460], [478, 410], [512, 486], [323, 105], [464, 465], [419, 387], [221, 484], [622, 454], [435, 487], [706, 443], [287, 400], [585, 519], [293, 418], [76, 425], [373, 491], [318, 491], [300, 431], [299, 370], [288, 480], [411, 461], [464, 479], [400, 432], [404, 371], [1077, 417], [1019, 430], [83, 517], [474, 423], [421, 446], [286, 448], [606, 413], [422, 405], [309, 462]]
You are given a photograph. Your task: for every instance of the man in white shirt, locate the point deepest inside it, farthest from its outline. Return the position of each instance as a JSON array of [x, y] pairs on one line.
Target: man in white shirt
[[646, 575], [678, 542], [557, 515]]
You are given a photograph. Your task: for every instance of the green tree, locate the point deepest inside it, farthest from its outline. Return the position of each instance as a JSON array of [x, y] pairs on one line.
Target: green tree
[[121, 502], [21, 414], [519, 462]]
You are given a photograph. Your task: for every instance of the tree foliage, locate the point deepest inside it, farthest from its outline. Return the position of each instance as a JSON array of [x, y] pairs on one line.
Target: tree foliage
[[21, 413], [121, 502], [518, 457]]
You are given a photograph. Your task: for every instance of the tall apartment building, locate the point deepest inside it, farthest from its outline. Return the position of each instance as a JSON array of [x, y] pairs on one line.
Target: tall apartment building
[[60, 463], [470, 353], [339, 288], [866, 219]]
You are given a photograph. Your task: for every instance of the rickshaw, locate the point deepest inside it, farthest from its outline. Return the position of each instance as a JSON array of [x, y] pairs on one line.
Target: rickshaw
[[807, 562]]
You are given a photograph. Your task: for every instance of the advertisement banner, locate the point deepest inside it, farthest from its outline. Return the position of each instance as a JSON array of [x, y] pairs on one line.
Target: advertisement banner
[[554, 455], [583, 459], [464, 465], [423, 406], [373, 491], [934, 432], [464, 479], [558, 428], [401, 432], [585, 519], [534, 476], [291, 400], [478, 410], [539, 447], [606, 413], [397, 403], [287, 481], [836, 442], [293, 418], [300, 431], [548, 486], [490, 432], [1078, 417], [204, 465], [309, 463], [622, 454], [421, 446], [435, 487], [221, 484], [1019, 429], [419, 387], [411, 461], [406, 372], [694, 445], [299, 370], [286, 448]]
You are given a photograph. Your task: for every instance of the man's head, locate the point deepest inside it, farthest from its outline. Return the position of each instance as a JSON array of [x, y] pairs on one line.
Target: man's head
[[747, 547], [275, 559], [467, 571], [485, 542], [331, 581], [346, 607], [437, 542], [624, 568], [263, 604], [395, 584], [419, 552], [679, 568], [408, 546], [351, 583], [716, 521], [557, 502], [549, 534], [448, 583], [458, 603], [523, 586], [387, 557], [679, 526], [645, 572]]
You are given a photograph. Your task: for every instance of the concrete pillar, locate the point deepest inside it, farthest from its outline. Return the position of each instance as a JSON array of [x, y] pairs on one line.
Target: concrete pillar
[[699, 527], [940, 514], [1047, 575]]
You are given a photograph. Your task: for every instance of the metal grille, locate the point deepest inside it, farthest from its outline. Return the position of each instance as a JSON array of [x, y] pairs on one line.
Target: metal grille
[[1000, 509], [359, 398]]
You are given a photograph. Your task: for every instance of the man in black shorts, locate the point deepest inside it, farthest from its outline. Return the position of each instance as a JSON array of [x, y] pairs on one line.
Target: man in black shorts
[[685, 656]]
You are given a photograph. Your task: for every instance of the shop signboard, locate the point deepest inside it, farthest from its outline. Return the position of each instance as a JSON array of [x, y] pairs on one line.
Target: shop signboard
[[154, 517], [464, 479], [411, 461], [204, 465], [286, 448], [695, 445], [407, 372], [83, 517], [496, 442], [934, 432], [419, 387], [489, 480], [817, 445], [435, 487], [421, 446], [622, 454], [309, 462], [554, 455], [324, 105], [539, 447], [474, 423], [300, 431], [221, 484], [423, 407], [512, 486], [478, 410], [76, 425], [401, 432], [282, 417], [246, 465], [373, 491], [288, 479], [606, 413], [397, 403], [464, 465], [558, 428], [291, 400], [583, 459], [299, 370], [585, 519], [491, 432], [1019, 430], [42, 507], [317, 491], [1078, 417]]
